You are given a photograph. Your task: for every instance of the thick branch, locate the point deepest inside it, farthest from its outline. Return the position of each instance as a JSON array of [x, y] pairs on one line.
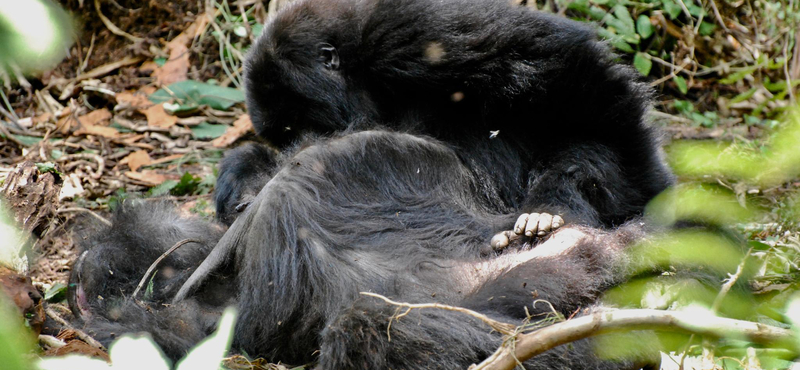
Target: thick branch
[[602, 322]]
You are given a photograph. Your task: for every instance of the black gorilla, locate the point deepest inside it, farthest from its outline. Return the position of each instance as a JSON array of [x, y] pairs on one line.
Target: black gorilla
[[412, 132]]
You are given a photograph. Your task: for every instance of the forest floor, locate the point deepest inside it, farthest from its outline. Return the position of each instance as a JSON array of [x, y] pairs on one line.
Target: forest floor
[[96, 119]]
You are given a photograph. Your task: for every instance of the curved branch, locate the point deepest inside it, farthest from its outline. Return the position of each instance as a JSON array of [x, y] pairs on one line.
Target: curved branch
[[531, 344]]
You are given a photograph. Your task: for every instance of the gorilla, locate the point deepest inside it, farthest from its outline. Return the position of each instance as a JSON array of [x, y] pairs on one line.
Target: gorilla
[[470, 153]]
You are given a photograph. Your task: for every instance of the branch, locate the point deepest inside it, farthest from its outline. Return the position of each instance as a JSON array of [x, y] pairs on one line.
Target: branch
[[529, 345], [501, 327]]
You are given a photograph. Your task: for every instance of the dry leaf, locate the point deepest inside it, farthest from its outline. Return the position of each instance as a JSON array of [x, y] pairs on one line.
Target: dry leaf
[[137, 159], [167, 159], [233, 133], [148, 90], [108, 132], [148, 67], [158, 117], [100, 117], [133, 99], [148, 177], [43, 118], [177, 66]]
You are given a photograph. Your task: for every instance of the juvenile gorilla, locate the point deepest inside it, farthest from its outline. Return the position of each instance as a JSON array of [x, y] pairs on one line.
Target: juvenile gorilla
[[114, 260]]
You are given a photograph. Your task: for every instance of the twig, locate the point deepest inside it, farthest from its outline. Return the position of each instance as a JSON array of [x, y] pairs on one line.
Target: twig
[[157, 261], [89, 211], [730, 283], [106, 69], [101, 163], [111, 27], [83, 336], [718, 16], [603, 322], [501, 327], [85, 63]]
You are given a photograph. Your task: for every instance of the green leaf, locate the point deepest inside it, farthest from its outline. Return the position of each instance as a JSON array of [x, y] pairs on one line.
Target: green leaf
[[187, 185], [49, 167], [643, 26], [707, 28], [15, 339], [621, 12], [738, 76], [160, 61], [206, 130], [683, 106], [257, 28], [27, 140], [191, 94], [642, 63], [672, 8], [162, 189], [56, 293], [615, 40], [681, 83], [744, 96]]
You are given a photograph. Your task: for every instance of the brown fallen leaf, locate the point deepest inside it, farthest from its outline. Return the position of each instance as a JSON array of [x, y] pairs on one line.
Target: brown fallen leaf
[[167, 159], [107, 132], [99, 117], [137, 100], [158, 117], [177, 66], [137, 159], [240, 127], [148, 177]]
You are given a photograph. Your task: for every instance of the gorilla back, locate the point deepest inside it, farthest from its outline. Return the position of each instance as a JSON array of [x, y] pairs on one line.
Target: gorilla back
[[567, 127]]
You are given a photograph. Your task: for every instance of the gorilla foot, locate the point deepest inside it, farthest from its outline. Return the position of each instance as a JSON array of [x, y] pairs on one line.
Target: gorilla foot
[[528, 226]]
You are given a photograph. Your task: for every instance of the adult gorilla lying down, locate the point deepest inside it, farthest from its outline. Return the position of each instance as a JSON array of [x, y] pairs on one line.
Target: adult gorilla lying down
[[395, 186], [374, 211]]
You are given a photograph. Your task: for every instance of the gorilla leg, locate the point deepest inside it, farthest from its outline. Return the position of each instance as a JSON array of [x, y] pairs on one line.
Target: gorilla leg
[[568, 271]]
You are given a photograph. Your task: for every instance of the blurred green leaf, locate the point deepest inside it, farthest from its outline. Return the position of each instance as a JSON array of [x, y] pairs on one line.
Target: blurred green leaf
[[644, 27], [191, 93], [672, 8], [642, 63], [206, 130], [680, 82], [187, 185], [162, 189], [738, 76], [56, 293], [707, 28], [27, 140], [698, 203], [15, 339], [615, 40]]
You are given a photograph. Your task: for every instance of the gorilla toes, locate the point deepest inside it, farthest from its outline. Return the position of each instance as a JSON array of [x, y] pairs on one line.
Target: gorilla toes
[[538, 224], [529, 226]]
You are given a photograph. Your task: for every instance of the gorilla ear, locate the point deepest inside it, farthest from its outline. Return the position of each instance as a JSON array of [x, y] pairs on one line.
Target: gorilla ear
[[329, 56]]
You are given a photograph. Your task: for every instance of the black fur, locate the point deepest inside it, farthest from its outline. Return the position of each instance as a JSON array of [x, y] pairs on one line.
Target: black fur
[[572, 135], [402, 216], [402, 196], [115, 259], [244, 171]]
